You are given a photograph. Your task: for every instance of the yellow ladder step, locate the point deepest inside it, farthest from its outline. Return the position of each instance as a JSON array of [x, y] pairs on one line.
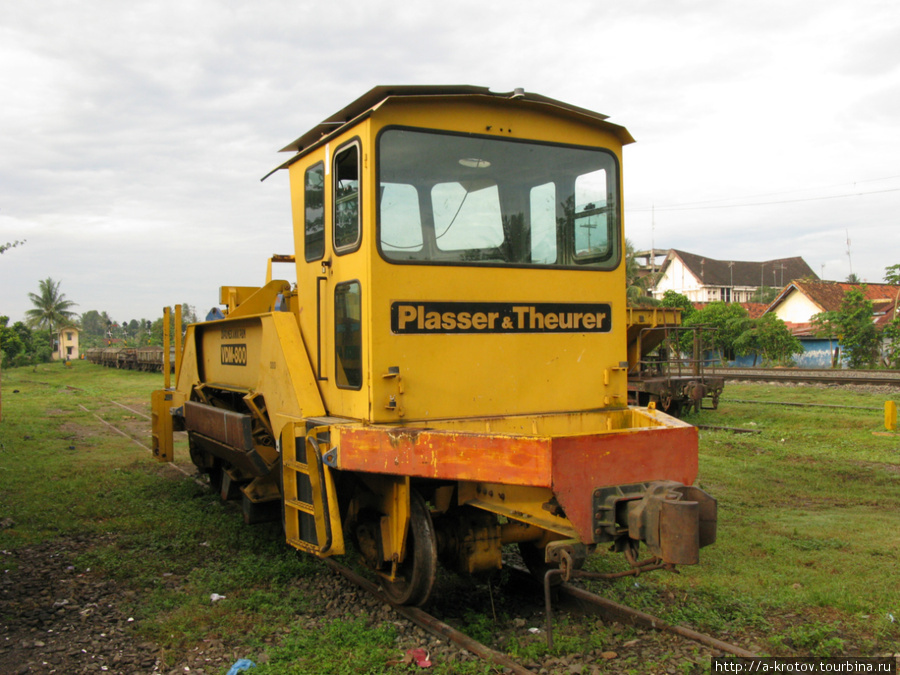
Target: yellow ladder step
[[297, 505]]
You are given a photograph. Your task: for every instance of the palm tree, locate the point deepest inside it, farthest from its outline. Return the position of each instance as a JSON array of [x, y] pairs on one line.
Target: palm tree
[[51, 308], [636, 285]]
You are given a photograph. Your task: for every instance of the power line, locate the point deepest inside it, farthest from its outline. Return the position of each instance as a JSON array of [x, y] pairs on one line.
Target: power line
[[782, 201], [714, 203]]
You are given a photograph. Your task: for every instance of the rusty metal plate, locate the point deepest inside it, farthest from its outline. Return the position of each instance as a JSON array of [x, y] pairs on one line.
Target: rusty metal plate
[[679, 532], [229, 428]]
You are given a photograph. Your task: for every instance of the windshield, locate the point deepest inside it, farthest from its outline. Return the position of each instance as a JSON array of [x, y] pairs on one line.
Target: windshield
[[447, 198]]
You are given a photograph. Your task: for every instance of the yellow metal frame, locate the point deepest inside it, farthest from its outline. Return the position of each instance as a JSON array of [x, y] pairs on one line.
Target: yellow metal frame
[[324, 505], [472, 410]]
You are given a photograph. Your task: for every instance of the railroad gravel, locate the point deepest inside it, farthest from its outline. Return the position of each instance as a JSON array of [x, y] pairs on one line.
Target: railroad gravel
[[58, 618]]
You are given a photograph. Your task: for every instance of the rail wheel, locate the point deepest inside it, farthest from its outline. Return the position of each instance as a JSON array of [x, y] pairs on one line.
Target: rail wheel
[[416, 574], [207, 464]]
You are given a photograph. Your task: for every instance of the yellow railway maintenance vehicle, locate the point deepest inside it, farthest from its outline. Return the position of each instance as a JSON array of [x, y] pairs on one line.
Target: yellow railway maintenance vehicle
[[449, 373]]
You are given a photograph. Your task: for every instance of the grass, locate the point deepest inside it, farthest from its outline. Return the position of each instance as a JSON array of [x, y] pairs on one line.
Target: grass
[[806, 559], [809, 527]]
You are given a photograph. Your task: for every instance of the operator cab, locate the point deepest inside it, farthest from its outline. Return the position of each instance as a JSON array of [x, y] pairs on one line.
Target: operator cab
[[455, 245]]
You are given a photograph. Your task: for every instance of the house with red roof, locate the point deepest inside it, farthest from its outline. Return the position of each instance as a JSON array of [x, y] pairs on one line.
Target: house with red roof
[[801, 300]]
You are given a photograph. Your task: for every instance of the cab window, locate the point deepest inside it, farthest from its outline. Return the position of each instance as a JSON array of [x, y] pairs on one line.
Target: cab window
[[346, 199], [348, 335], [314, 212], [458, 199]]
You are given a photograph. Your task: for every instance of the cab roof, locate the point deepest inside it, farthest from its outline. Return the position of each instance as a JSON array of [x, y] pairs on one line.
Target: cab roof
[[376, 96]]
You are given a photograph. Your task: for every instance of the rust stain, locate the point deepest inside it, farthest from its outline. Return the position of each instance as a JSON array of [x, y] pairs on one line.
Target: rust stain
[[447, 455]]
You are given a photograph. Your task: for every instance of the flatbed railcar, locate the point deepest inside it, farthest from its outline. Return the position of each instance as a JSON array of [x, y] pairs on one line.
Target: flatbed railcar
[[658, 370], [148, 358], [444, 370]]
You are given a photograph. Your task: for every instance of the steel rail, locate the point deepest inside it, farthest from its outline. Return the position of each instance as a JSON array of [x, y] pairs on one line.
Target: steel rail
[[734, 430], [137, 442], [827, 375], [803, 405], [622, 613], [432, 624]]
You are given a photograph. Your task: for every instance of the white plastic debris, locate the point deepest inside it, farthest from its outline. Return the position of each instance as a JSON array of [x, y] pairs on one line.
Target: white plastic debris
[[215, 597], [534, 631]]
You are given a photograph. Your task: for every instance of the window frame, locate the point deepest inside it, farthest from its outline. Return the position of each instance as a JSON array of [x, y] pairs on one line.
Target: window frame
[[337, 343], [306, 238], [356, 143], [616, 259]]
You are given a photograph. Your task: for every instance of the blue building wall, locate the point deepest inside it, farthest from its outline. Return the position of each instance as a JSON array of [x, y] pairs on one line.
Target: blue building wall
[[817, 354]]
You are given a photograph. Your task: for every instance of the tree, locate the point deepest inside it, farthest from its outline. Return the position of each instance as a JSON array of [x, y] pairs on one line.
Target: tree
[[93, 324], [51, 308], [891, 335], [636, 285], [892, 275], [770, 338], [10, 244], [852, 325], [684, 340], [673, 299], [764, 294], [21, 346], [188, 315], [728, 321], [853, 278], [10, 342]]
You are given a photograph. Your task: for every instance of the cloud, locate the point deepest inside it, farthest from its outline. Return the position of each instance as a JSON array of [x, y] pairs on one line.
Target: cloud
[[135, 134]]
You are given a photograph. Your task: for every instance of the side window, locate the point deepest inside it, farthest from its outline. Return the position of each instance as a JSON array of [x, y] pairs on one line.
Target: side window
[[594, 220], [348, 335], [543, 224], [467, 219], [401, 220], [314, 213], [346, 199]]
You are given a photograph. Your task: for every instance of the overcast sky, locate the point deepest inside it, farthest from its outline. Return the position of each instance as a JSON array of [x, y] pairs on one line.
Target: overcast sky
[[133, 134]]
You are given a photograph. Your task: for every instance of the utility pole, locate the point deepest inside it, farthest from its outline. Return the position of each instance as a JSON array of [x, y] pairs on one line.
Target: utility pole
[[849, 259], [731, 269]]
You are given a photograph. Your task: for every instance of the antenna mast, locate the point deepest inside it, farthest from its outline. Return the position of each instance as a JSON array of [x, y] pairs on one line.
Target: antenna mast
[[849, 259]]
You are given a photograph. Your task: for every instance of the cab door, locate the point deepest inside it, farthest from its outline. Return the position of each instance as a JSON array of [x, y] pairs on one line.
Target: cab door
[[331, 275], [345, 321]]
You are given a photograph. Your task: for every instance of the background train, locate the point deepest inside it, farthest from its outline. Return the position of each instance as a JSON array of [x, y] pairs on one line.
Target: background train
[[657, 373], [670, 365], [148, 358], [448, 373]]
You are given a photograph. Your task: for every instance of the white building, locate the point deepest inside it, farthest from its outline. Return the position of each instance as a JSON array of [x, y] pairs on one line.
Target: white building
[[703, 279]]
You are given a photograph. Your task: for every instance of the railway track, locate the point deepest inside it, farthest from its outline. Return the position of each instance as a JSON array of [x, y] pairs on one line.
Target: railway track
[[822, 375], [575, 598]]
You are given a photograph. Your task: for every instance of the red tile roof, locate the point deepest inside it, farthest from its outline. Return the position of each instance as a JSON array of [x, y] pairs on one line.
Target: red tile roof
[[828, 295]]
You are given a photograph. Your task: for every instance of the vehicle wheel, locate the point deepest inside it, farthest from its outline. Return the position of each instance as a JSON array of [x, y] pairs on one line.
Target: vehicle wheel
[[215, 478], [416, 574], [674, 408], [207, 465]]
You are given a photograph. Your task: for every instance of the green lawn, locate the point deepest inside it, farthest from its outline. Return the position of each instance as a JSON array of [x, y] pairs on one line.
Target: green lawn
[[807, 559]]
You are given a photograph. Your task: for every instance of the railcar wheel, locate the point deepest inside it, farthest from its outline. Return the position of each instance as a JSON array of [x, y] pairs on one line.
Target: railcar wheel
[[215, 478], [206, 464], [416, 574]]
